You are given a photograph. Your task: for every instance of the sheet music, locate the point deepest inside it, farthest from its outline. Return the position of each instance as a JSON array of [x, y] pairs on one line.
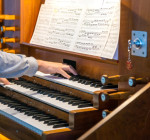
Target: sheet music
[[84, 26], [111, 48], [43, 21]]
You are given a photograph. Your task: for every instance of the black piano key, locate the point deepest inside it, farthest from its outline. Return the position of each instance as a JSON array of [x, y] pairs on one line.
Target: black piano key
[[44, 118], [49, 93], [72, 101], [80, 80], [43, 92], [75, 78], [67, 99], [31, 112], [37, 117], [48, 120], [71, 78], [94, 83], [88, 82], [24, 109], [14, 105], [98, 85], [55, 95], [5, 102], [78, 102], [52, 122], [62, 96], [21, 107], [85, 81], [85, 105], [60, 125], [109, 86]]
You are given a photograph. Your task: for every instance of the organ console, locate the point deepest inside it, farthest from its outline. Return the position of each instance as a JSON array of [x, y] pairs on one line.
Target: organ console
[[51, 107]]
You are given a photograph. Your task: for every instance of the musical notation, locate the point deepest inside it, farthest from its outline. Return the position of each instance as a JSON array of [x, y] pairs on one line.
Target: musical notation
[[79, 26]]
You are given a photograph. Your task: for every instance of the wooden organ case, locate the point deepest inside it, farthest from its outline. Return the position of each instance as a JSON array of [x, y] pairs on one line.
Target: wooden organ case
[[125, 120]]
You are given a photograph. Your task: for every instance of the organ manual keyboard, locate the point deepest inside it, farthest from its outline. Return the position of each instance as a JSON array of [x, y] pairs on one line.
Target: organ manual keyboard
[[64, 110], [51, 107]]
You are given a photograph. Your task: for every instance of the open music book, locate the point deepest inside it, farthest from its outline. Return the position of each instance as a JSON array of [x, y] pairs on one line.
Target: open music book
[[84, 26]]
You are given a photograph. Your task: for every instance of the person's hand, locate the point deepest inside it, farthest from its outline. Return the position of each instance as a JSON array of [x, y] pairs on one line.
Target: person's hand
[[4, 81], [52, 67]]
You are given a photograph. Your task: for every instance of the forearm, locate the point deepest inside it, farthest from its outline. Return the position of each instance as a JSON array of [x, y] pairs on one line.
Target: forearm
[[12, 65]]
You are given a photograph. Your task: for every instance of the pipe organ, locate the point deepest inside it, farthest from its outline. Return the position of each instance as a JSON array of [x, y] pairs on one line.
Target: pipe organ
[[108, 99]]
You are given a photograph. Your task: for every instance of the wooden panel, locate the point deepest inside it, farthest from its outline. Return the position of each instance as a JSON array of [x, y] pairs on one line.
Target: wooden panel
[[140, 22], [92, 67], [129, 121]]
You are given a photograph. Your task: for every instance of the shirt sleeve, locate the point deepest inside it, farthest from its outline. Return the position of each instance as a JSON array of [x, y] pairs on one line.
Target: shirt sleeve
[[16, 65]]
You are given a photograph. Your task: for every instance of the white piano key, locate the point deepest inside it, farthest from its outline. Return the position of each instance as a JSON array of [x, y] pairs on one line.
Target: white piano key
[[2, 106]]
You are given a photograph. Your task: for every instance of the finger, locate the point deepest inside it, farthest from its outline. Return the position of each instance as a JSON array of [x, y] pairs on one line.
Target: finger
[[62, 72], [72, 70], [5, 81]]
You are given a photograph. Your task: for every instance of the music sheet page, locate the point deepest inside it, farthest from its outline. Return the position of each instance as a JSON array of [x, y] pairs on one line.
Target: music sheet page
[[84, 26]]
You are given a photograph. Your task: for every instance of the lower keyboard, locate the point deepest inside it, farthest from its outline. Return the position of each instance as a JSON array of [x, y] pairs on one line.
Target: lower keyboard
[[29, 117]]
